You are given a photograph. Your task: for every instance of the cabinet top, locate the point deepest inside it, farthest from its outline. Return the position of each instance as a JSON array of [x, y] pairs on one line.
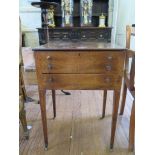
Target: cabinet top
[[75, 27], [79, 45]]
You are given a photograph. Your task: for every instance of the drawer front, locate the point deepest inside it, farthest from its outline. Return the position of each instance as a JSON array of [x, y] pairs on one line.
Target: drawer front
[[65, 36], [107, 62], [56, 62], [101, 62], [79, 81]]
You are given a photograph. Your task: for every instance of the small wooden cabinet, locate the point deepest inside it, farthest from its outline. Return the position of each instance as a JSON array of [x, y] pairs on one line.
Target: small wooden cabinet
[[79, 66]]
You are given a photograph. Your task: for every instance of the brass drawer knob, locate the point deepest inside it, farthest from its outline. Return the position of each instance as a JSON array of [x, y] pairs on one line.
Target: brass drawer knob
[[50, 80], [107, 80], [48, 57], [109, 57], [108, 67], [50, 66]]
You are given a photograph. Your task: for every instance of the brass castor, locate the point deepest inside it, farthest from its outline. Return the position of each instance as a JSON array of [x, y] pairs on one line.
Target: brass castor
[[46, 147], [111, 147]]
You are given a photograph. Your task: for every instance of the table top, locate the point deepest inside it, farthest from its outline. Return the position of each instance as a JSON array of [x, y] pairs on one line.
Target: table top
[[79, 45]]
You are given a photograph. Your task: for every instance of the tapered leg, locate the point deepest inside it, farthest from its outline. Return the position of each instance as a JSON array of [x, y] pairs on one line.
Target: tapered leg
[[104, 102], [116, 98], [42, 96], [22, 86], [123, 99], [132, 128], [54, 103], [22, 117]]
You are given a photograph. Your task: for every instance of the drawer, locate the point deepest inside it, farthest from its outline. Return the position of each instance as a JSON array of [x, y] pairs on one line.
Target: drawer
[[65, 36], [85, 35], [79, 81], [56, 62], [107, 62]]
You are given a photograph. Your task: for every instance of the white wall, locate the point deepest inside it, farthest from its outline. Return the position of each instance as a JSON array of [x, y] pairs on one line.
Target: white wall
[[30, 19], [125, 16]]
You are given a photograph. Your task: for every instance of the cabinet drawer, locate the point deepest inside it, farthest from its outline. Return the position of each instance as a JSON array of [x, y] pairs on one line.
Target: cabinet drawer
[[101, 62], [106, 62], [79, 81], [56, 62]]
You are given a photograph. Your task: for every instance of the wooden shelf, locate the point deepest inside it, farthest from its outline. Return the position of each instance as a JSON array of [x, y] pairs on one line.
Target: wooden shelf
[[61, 28]]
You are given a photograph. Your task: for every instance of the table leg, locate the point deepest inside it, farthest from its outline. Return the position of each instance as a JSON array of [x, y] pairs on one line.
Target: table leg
[[104, 102], [132, 128], [42, 96], [123, 99], [54, 103], [116, 98], [22, 117]]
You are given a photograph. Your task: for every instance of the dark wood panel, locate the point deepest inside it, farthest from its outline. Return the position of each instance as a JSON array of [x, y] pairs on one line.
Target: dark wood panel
[[75, 33]]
